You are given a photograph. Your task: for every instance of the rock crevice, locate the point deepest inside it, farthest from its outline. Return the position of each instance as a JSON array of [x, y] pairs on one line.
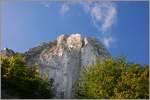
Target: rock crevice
[[63, 60]]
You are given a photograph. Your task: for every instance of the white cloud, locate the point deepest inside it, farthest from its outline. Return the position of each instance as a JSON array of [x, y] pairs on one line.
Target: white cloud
[[108, 41], [64, 9], [46, 5], [109, 18], [103, 14]]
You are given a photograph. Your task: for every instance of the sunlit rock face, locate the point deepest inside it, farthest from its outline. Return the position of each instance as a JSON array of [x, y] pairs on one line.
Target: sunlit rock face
[[63, 59], [74, 41], [61, 40]]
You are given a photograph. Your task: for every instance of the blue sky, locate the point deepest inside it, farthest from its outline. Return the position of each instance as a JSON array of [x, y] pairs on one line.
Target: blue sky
[[121, 26]]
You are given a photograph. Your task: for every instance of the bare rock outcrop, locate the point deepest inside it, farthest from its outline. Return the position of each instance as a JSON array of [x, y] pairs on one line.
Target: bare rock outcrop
[[63, 59], [7, 52]]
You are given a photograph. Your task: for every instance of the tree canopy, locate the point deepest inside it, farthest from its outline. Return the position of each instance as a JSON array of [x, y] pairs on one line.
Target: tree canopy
[[22, 81], [113, 79]]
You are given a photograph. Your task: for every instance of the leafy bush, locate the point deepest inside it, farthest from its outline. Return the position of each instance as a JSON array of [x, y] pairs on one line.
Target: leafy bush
[[23, 81], [114, 79]]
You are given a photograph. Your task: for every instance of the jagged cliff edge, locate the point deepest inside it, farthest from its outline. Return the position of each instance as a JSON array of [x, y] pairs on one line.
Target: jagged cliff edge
[[63, 59]]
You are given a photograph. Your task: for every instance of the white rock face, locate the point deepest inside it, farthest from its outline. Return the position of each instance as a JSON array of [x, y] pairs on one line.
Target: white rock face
[[61, 40], [64, 60], [85, 41], [74, 41]]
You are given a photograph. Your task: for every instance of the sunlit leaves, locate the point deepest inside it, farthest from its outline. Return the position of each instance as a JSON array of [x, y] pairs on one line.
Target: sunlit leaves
[[114, 78], [23, 80]]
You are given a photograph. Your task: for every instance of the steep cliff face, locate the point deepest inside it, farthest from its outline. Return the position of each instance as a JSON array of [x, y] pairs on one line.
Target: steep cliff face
[[63, 59]]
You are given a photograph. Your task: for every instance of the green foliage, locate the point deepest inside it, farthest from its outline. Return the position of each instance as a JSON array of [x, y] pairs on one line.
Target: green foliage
[[113, 79], [23, 80]]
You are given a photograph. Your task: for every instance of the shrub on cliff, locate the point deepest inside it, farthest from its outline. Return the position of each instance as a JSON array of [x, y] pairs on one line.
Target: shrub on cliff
[[114, 79], [22, 81]]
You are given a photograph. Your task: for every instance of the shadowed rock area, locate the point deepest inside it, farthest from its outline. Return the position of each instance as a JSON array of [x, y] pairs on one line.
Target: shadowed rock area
[[63, 59]]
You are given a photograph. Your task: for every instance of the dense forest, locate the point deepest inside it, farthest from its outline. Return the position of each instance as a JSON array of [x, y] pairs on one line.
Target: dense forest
[[22, 81], [114, 79], [110, 79]]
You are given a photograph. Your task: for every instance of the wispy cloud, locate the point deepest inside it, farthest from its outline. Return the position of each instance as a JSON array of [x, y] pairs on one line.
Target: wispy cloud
[[46, 4], [103, 14], [108, 41], [64, 9]]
